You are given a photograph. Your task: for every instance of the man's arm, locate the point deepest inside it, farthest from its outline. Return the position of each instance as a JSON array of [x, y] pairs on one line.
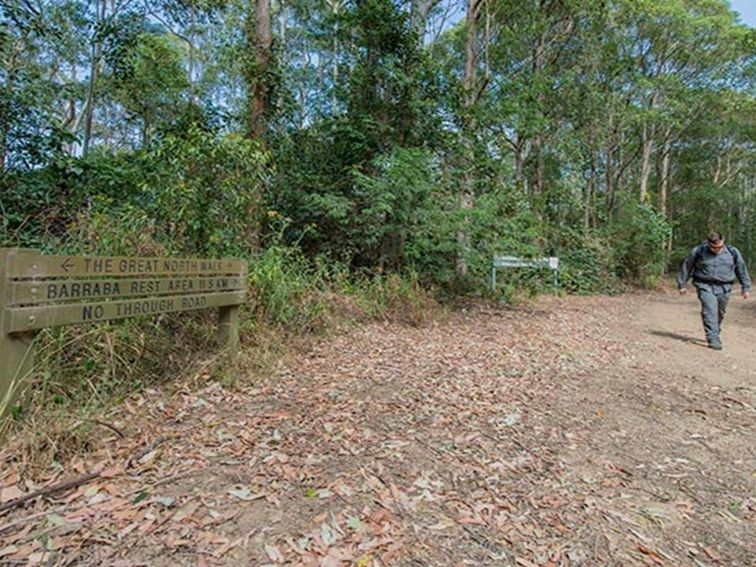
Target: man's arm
[[741, 270], [685, 269]]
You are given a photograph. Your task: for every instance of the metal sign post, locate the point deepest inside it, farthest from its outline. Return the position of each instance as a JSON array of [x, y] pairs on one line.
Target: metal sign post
[[551, 262]]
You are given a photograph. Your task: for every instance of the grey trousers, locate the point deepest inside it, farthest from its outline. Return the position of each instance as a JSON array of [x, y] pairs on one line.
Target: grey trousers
[[713, 298]]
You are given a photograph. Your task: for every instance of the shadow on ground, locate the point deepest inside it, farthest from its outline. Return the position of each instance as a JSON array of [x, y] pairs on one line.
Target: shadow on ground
[[683, 338]]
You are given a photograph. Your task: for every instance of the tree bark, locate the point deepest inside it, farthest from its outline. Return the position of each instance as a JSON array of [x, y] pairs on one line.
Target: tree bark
[[3, 142], [519, 178], [260, 40], [664, 173], [648, 134], [466, 198], [94, 74], [190, 70], [609, 169], [537, 177], [590, 189], [419, 10], [5, 118], [648, 142]]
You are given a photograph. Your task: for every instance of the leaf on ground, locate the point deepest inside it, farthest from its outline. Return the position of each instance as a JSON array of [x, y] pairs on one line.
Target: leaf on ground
[[273, 553], [56, 519], [10, 493], [166, 501], [713, 555], [212, 537], [651, 553], [443, 524], [245, 494], [327, 534], [112, 471], [9, 550], [140, 497]]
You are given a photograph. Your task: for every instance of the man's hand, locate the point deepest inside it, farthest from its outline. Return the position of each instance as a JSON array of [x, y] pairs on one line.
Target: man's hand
[[682, 291], [746, 294]]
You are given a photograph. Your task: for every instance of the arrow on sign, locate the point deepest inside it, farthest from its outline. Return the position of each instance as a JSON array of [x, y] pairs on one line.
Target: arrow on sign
[[66, 264]]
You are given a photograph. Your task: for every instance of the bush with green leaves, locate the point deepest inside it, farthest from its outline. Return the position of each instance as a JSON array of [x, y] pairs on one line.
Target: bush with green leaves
[[588, 266], [197, 193], [497, 224], [396, 197], [639, 237]]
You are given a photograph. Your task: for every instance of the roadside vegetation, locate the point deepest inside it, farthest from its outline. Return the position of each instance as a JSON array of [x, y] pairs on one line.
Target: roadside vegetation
[[367, 158]]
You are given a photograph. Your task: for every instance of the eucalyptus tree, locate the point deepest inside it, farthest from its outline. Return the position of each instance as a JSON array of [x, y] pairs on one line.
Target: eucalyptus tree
[[259, 37]]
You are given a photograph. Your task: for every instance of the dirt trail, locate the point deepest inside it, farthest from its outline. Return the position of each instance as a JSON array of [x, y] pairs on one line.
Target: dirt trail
[[576, 431]]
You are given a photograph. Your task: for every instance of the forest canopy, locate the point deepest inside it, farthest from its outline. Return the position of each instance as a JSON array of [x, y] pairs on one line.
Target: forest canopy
[[382, 135]]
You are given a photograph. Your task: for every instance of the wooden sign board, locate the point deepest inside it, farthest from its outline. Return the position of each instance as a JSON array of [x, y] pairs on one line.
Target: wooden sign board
[[39, 291], [64, 266], [21, 319], [46, 291]]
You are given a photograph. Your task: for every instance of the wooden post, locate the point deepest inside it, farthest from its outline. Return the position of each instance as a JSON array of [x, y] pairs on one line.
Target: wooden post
[[228, 328], [16, 350], [228, 322], [39, 291]]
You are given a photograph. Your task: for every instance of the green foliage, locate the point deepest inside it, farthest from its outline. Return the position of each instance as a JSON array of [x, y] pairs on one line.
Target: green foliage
[[640, 238], [301, 296], [194, 194], [288, 289], [377, 124], [588, 267], [151, 79], [499, 224], [395, 198], [82, 367], [205, 191]]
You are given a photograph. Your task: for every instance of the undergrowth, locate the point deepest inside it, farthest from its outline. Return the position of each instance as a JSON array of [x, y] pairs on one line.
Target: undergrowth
[[84, 372]]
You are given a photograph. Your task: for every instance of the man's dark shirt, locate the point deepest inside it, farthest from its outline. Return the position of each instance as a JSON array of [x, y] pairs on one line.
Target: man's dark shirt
[[707, 267]]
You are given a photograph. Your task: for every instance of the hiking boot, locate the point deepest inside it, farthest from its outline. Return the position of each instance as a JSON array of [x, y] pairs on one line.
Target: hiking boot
[[716, 345]]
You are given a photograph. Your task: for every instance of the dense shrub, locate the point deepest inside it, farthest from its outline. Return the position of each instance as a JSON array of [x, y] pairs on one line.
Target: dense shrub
[[640, 238], [589, 268]]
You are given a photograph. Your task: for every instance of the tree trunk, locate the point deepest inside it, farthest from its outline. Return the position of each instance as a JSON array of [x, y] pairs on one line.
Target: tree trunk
[[590, 190], [466, 198], [3, 141], [334, 5], [419, 10], [260, 40], [519, 178], [609, 176], [537, 178], [664, 174], [145, 130], [190, 71], [647, 141], [94, 73], [5, 118]]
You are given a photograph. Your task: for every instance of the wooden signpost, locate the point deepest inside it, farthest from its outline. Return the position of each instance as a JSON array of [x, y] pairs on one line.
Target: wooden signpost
[[39, 291]]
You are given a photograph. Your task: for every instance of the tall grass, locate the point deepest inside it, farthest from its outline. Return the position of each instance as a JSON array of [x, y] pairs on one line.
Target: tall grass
[[83, 371]]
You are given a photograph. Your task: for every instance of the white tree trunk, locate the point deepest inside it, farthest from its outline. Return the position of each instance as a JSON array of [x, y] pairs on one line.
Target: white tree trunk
[[466, 197]]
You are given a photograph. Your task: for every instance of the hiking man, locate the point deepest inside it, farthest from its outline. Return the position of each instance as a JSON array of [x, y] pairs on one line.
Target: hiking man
[[713, 266]]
